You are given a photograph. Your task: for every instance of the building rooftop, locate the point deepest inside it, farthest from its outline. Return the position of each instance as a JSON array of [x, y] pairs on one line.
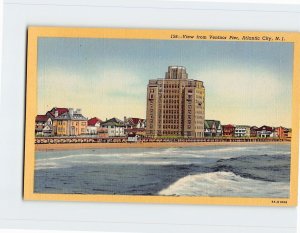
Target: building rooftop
[[265, 127], [176, 72], [59, 111], [93, 121], [208, 124], [113, 122], [41, 118], [65, 114]]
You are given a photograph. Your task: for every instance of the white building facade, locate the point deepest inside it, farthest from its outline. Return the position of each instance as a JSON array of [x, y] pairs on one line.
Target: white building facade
[[242, 131], [115, 127]]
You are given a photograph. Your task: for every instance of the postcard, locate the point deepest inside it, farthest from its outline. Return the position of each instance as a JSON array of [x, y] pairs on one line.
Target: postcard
[[162, 116]]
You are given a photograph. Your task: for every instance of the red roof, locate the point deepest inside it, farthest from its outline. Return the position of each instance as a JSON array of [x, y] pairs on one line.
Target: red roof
[[135, 120], [228, 126], [93, 121], [41, 118], [265, 127], [59, 110], [281, 127]]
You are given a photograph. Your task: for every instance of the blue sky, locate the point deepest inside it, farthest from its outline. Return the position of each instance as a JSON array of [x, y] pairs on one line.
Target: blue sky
[[246, 82]]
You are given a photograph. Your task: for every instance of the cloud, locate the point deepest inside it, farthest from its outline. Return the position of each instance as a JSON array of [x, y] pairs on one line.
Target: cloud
[[239, 85], [246, 96], [107, 93], [237, 95], [118, 83]]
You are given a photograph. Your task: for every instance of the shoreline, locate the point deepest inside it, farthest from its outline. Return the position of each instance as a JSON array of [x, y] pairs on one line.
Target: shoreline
[[80, 146]]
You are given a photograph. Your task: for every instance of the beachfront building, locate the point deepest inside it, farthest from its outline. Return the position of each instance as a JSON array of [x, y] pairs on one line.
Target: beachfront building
[[141, 132], [212, 128], [265, 132], [134, 123], [175, 105], [115, 127], [135, 126], [289, 135], [228, 130], [93, 125], [253, 131], [242, 131], [102, 132], [282, 132], [43, 125], [132, 137], [67, 122]]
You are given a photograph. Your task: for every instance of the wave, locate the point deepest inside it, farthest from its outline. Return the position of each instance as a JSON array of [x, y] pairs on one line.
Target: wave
[[195, 171], [169, 153], [220, 184], [261, 167], [49, 165], [274, 168]]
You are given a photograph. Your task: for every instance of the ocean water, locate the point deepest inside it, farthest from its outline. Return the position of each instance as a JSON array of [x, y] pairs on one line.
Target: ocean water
[[235, 170]]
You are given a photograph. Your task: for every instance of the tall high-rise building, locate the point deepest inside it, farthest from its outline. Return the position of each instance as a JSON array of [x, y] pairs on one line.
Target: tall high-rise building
[[175, 105]]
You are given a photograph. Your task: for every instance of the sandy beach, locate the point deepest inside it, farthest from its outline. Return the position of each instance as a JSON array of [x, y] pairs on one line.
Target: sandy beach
[[79, 146]]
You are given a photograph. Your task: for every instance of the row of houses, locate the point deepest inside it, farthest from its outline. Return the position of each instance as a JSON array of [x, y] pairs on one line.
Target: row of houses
[[71, 122], [213, 128]]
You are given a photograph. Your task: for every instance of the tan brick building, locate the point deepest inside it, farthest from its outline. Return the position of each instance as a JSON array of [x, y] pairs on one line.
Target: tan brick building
[[67, 122], [175, 105]]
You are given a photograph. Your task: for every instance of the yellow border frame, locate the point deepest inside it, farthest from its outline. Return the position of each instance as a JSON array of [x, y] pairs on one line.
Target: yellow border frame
[[31, 110]]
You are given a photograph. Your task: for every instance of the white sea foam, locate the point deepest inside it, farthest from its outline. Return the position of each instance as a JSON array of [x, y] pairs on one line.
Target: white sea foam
[[172, 152], [203, 150], [69, 160], [61, 158], [225, 184], [165, 156], [281, 153], [88, 156], [128, 162], [49, 165]]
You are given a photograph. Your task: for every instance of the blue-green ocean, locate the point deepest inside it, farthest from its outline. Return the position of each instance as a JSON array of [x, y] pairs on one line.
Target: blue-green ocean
[[235, 170]]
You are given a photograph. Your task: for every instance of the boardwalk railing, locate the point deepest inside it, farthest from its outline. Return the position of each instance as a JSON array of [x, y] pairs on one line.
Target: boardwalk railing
[[62, 140]]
